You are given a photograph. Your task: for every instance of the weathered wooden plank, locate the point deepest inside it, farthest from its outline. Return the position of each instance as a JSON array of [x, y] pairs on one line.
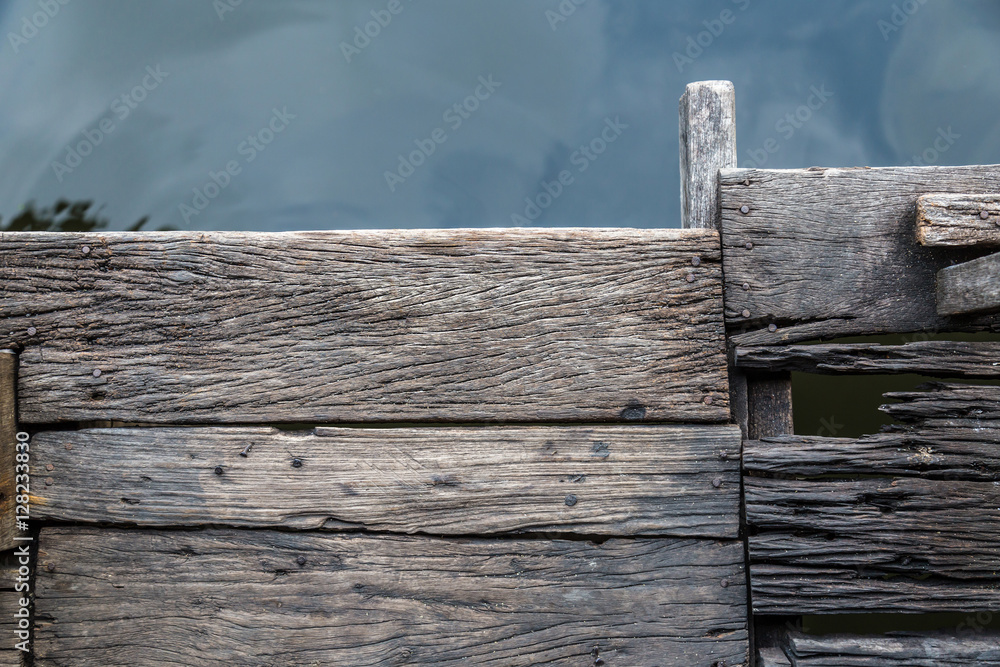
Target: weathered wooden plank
[[905, 521], [958, 452], [772, 657], [934, 358], [9, 626], [8, 447], [893, 526], [611, 480], [904, 650], [222, 327], [972, 287], [769, 400], [707, 143], [958, 220], [789, 589], [275, 598], [943, 403], [821, 253]]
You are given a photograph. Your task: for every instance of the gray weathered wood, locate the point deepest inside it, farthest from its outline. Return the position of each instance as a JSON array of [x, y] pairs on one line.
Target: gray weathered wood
[[772, 657], [8, 444], [238, 597], [832, 252], [961, 451], [769, 400], [9, 605], [958, 220], [708, 143], [972, 287], [611, 480], [516, 325], [934, 358], [905, 521], [948, 403], [931, 649]]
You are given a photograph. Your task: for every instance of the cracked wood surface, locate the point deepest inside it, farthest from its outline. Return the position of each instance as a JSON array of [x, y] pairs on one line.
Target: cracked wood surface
[[274, 598], [428, 325], [822, 253], [610, 480]]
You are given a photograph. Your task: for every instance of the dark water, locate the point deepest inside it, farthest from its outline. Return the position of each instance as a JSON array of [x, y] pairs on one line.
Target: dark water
[[140, 107]]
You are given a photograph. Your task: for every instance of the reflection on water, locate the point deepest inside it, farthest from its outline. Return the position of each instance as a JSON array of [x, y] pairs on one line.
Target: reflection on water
[[166, 108], [63, 216]]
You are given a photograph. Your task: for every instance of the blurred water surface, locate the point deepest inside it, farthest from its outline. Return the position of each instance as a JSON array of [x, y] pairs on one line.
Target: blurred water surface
[[319, 114]]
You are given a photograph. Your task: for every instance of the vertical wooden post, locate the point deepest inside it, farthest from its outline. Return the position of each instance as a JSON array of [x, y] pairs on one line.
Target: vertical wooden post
[[769, 406], [708, 144], [8, 445]]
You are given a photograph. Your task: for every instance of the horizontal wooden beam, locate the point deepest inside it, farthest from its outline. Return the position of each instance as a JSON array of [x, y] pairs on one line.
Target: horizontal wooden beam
[[128, 597], [613, 480], [972, 287], [912, 649], [934, 358], [821, 253], [428, 325], [943, 404], [907, 521], [958, 220]]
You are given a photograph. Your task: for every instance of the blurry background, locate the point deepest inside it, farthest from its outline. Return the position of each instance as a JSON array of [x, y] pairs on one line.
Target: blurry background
[[134, 106]]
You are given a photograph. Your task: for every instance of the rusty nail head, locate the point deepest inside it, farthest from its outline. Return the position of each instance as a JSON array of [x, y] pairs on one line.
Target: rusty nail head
[[49, 481], [96, 373], [570, 500], [747, 182], [246, 450], [749, 245], [690, 277], [725, 583], [717, 482], [296, 463], [301, 560], [32, 331], [724, 456], [696, 261], [746, 287], [707, 400], [219, 470], [745, 210], [85, 250], [745, 313], [984, 214], [51, 567], [69, 446], [772, 327], [49, 467]]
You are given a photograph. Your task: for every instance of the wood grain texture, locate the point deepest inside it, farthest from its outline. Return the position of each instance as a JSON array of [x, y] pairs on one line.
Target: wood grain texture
[[8, 447], [772, 657], [9, 605], [429, 325], [947, 403], [833, 252], [707, 144], [901, 650], [242, 597], [614, 480], [972, 287], [957, 220], [904, 521], [933, 358], [769, 401]]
